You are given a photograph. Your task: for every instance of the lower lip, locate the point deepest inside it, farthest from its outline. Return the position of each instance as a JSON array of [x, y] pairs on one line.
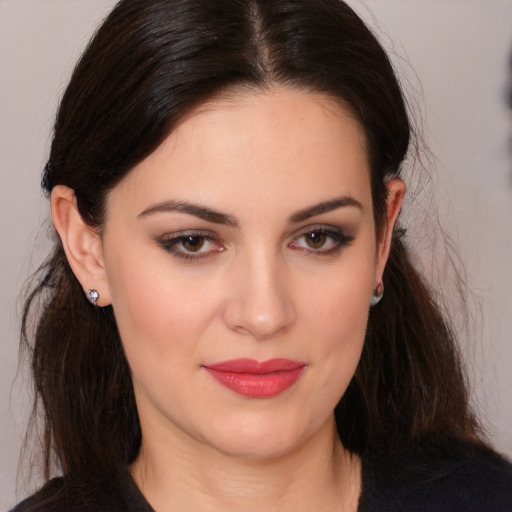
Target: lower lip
[[255, 385]]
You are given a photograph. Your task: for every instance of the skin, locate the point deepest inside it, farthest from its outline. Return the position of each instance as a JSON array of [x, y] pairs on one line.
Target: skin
[[261, 286]]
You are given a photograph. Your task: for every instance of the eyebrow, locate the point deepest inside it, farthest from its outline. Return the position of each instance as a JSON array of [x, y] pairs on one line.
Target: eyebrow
[[203, 212], [325, 207], [196, 210]]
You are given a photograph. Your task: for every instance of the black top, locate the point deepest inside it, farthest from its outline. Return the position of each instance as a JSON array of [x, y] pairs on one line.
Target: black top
[[447, 476]]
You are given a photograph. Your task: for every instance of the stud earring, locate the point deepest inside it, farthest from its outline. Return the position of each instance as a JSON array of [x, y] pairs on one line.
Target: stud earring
[[93, 297], [377, 294]]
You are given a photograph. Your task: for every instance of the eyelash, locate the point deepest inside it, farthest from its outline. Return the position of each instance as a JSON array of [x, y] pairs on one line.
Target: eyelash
[[170, 244], [336, 237]]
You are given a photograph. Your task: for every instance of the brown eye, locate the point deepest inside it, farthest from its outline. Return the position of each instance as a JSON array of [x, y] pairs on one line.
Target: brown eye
[[193, 243], [315, 239], [192, 246], [321, 241]]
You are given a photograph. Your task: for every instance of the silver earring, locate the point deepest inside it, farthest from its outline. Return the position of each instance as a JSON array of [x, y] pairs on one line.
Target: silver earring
[[377, 294], [93, 297]]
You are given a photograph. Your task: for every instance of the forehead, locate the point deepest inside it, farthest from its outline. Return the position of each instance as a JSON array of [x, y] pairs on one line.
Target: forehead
[[255, 146]]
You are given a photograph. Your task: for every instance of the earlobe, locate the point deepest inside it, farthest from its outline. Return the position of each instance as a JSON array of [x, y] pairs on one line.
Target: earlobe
[[81, 243], [394, 200]]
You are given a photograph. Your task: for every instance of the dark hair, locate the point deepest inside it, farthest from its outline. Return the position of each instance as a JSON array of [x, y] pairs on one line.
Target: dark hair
[[148, 65]]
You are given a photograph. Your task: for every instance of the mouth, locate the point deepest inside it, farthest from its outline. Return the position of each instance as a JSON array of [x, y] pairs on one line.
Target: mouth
[[256, 379]]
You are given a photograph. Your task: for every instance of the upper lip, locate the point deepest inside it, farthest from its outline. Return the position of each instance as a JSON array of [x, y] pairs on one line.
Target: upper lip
[[255, 367]]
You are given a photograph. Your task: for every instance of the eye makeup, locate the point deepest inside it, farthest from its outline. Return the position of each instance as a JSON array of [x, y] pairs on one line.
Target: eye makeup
[[196, 245], [321, 241], [191, 245]]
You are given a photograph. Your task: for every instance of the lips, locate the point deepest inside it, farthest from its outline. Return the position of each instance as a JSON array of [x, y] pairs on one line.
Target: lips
[[257, 379]]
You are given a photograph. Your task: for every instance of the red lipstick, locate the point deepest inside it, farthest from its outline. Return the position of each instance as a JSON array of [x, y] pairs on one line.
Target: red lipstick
[[256, 379]]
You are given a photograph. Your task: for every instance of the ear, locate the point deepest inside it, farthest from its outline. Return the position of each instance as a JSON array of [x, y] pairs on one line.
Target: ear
[[394, 200], [81, 242]]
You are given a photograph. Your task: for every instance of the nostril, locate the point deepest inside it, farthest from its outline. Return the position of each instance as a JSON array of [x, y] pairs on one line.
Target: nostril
[[261, 319]]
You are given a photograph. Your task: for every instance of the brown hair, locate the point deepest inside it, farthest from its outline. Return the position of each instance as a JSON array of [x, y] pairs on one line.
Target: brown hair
[[147, 66]]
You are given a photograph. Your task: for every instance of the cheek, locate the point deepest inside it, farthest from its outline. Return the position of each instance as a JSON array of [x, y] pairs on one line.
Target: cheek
[[157, 311], [341, 321], [336, 311], [336, 319], [339, 302]]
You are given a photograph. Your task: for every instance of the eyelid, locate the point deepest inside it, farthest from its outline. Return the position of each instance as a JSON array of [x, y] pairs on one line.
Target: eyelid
[[336, 234], [170, 241]]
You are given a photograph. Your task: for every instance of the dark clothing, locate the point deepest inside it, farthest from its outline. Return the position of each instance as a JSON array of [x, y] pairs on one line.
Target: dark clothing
[[444, 476], [447, 476]]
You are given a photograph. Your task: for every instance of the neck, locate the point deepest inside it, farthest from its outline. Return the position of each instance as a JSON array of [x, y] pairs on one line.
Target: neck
[[319, 475]]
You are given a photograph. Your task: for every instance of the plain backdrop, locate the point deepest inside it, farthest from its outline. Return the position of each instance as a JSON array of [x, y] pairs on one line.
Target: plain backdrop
[[455, 60]]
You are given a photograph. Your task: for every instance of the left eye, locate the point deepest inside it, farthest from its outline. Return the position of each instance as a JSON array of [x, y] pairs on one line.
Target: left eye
[[316, 239], [323, 241]]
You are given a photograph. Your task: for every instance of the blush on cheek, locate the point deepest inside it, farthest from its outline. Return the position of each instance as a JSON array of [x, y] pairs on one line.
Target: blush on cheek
[[349, 300], [155, 313]]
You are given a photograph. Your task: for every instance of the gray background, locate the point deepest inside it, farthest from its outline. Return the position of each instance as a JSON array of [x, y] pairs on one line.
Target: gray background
[[455, 57]]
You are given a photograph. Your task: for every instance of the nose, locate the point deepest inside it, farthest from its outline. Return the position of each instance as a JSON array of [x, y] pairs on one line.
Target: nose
[[260, 302]]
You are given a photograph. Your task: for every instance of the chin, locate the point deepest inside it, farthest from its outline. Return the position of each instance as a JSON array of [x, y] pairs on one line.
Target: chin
[[258, 448], [263, 440]]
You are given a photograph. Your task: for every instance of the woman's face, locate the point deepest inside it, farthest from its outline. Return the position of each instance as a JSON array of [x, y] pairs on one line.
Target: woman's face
[[240, 259]]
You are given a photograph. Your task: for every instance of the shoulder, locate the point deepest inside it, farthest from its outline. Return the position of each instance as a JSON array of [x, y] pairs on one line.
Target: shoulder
[[445, 474], [115, 493]]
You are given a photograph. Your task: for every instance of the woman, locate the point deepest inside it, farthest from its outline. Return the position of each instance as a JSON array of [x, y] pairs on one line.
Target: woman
[[230, 319]]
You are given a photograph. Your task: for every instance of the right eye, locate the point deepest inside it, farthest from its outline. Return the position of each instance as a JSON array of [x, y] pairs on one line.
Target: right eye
[[191, 245]]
